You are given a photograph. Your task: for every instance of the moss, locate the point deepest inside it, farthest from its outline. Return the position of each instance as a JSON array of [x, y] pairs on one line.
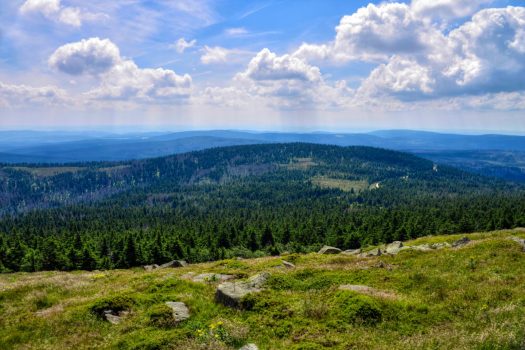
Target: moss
[[115, 303], [358, 309]]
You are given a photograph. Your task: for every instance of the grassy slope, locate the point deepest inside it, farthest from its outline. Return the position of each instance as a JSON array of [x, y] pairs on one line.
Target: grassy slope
[[468, 298]]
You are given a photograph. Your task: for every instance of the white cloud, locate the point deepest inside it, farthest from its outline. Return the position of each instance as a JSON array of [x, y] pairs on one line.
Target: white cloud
[[239, 31], [120, 78], [53, 10], [126, 81], [266, 65], [220, 55], [24, 96], [181, 45], [92, 56], [447, 9]]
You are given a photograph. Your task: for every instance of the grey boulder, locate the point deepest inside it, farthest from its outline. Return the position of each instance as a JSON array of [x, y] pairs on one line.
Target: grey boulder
[[231, 293], [150, 267], [249, 347], [180, 310], [212, 277], [520, 241], [394, 247], [329, 250], [461, 242], [174, 263]]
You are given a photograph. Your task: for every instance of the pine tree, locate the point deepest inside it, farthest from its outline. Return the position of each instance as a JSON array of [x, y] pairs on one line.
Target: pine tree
[[267, 239]]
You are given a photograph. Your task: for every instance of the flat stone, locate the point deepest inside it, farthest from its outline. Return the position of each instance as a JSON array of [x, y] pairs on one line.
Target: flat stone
[[231, 293], [520, 241], [288, 264], [394, 247], [212, 277], [373, 252], [174, 263], [180, 310], [150, 267], [329, 250], [249, 347], [421, 248], [461, 242], [352, 251], [114, 317]]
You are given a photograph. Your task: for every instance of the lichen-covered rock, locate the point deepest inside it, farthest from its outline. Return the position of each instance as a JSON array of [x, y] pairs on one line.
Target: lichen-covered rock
[[114, 317], [249, 347], [394, 247], [461, 242], [352, 251], [174, 263], [373, 252], [329, 250], [180, 310], [231, 293], [212, 277], [520, 241], [150, 267], [288, 264]]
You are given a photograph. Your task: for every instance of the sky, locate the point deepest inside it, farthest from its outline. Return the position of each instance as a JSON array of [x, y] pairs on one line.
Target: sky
[[332, 65]]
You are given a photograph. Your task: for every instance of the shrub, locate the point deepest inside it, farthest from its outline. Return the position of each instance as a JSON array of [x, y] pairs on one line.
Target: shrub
[[161, 315], [358, 309], [116, 303]]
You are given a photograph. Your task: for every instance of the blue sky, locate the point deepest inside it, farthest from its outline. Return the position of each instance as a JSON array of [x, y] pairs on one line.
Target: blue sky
[[272, 65]]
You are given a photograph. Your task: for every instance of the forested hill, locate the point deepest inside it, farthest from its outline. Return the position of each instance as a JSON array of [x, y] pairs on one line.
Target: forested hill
[[241, 200]]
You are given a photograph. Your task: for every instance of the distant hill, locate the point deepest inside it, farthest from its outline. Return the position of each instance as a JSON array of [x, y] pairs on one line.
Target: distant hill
[[450, 149]]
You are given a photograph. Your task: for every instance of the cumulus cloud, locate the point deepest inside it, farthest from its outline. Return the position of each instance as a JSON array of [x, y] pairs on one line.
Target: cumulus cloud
[[53, 10], [181, 45], [221, 55], [484, 55], [120, 78], [23, 95], [92, 56], [126, 81], [447, 9]]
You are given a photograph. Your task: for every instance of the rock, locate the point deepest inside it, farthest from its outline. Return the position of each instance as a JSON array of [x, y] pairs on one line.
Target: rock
[[114, 317], [421, 248], [368, 291], [520, 241], [180, 310], [394, 247], [352, 251], [150, 267], [461, 242], [249, 347], [231, 293], [329, 250], [174, 263], [211, 277], [440, 245], [288, 265], [373, 252]]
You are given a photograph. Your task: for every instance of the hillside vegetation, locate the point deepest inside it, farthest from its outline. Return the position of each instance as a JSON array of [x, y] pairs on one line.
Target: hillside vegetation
[[247, 201], [469, 297]]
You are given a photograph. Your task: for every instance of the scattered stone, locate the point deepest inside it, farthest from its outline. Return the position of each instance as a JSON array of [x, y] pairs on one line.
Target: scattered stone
[[440, 245], [211, 277], [114, 317], [520, 241], [422, 248], [180, 310], [174, 263], [368, 291], [373, 252], [394, 247], [383, 265], [329, 250], [231, 293], [249, 347], [352, 251], [461, 242], [288, 264], [150, 267]]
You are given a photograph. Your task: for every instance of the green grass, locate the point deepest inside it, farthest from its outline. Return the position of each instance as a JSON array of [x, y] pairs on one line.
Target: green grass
[[468, 298], [341, 184]]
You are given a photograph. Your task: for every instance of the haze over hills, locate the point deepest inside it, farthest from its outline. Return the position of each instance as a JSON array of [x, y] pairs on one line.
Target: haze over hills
[[492, 155]]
